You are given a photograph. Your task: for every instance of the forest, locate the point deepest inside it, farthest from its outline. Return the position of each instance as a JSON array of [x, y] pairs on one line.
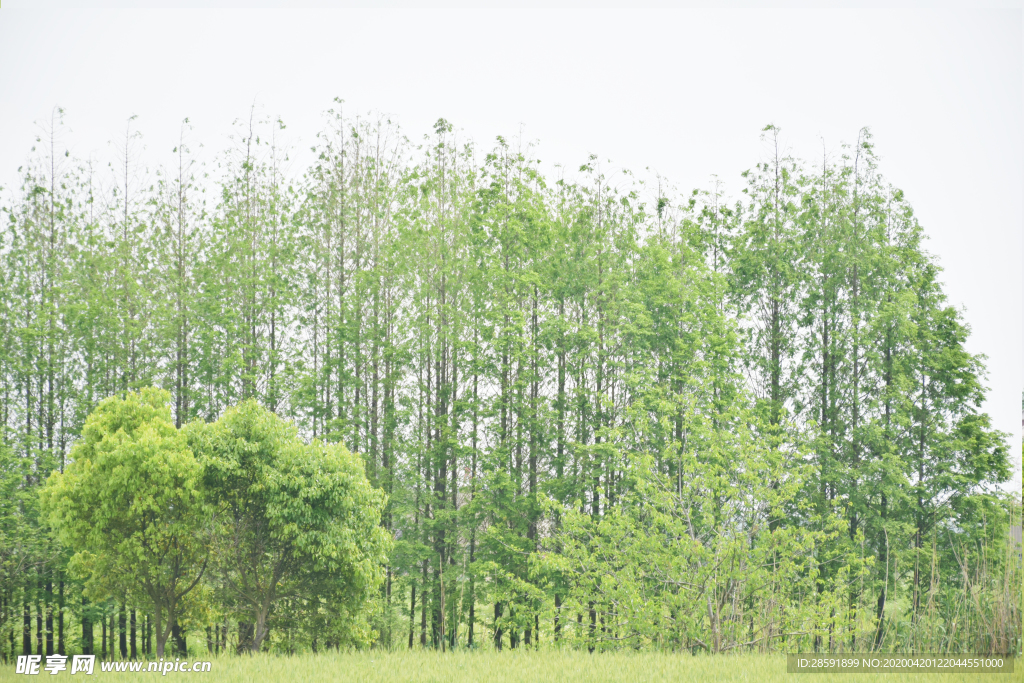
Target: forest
[[586, 410]]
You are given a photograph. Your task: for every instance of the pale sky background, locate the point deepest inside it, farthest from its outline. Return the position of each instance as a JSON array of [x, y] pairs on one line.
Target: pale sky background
[[684, 92]]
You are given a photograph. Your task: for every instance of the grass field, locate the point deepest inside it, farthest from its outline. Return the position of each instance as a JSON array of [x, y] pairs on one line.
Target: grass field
[[428, 667]]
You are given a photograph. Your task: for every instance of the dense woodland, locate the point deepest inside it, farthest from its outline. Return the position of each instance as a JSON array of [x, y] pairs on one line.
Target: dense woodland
[[604, 414]]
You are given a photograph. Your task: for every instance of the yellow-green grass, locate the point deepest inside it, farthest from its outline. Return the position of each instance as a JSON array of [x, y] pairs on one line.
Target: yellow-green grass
[[427, 667]]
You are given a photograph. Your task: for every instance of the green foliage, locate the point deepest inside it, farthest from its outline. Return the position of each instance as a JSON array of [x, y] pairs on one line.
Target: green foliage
[[17, 523], [131, 506], [578, 409], [295, 521]]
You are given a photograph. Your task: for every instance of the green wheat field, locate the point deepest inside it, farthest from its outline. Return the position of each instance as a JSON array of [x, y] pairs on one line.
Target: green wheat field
[[578, 667]]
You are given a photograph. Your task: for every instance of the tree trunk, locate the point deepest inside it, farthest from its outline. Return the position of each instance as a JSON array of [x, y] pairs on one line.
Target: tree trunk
[[180, 644], [260, 630], [161, 633], [87, 644], [133, 648], [497, 628], [26, 630], [245, 636], [121, 632]]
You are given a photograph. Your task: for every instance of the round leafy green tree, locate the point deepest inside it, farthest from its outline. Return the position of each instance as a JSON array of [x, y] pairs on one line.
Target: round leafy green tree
[[297, 522], [131, 507]]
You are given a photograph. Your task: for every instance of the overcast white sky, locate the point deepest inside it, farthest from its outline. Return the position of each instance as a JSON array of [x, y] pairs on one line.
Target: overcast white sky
[[684, 92]]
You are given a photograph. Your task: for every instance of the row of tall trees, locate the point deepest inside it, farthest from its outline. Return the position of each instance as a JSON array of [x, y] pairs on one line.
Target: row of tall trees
[[602, 413]]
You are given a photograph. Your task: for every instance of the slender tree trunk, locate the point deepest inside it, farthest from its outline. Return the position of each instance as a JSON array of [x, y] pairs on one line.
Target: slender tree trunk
[[497, 626], [412, 615], [49, 616], [26, 629], [87, 636], [60, 616], [121, 631]]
